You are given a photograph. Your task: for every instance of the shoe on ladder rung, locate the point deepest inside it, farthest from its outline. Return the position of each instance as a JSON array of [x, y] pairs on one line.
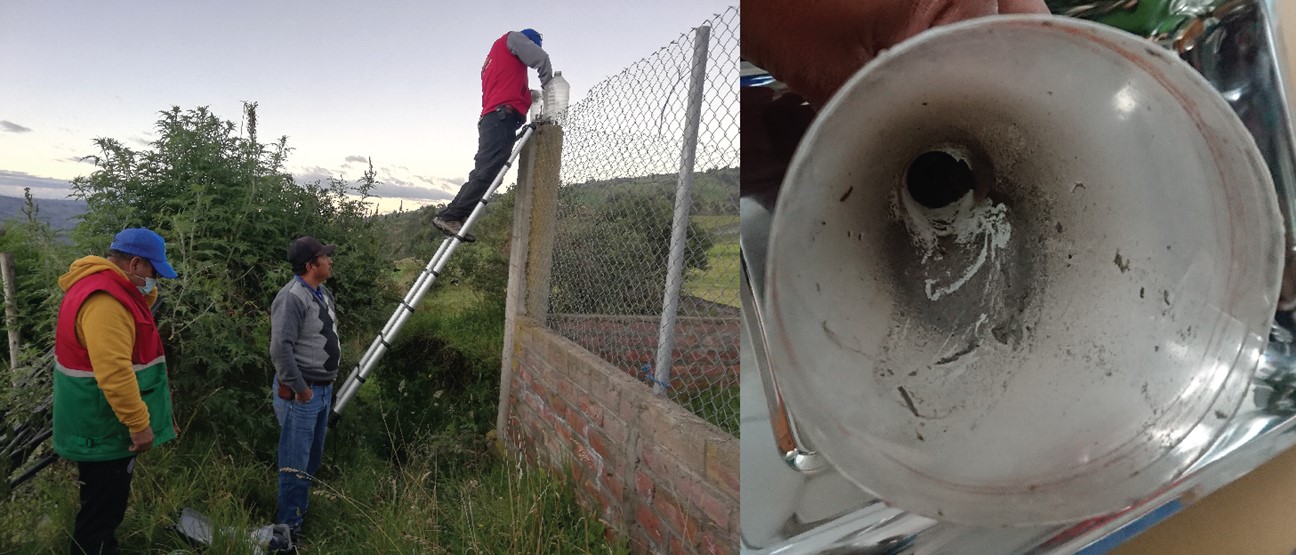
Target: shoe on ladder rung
[[453, 228]]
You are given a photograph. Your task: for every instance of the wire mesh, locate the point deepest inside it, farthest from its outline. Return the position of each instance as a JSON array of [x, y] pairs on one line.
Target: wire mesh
[[621, 161]]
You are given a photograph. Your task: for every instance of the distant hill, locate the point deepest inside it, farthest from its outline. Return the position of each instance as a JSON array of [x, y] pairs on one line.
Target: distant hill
[[715, 193], [61, 214]]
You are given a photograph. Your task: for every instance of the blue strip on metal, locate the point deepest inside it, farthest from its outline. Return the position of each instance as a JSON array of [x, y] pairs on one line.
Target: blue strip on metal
[[756, 80], [1128, 531]]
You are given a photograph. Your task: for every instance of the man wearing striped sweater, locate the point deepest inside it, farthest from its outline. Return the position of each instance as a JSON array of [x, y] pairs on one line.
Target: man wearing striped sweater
[[305, 350]]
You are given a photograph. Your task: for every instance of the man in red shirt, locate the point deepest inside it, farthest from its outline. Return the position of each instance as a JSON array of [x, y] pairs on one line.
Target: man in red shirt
[[506, 98]]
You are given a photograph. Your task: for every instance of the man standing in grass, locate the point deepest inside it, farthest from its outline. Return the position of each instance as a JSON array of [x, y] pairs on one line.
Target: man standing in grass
[[305, 350], [506, 98], [111, 396]]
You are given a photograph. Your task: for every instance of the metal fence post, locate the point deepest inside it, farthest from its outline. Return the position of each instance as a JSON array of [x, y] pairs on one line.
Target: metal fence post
[[680, 223]]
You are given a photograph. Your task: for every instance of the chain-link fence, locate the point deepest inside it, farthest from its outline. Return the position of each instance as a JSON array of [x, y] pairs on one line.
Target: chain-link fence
[[645, 263]]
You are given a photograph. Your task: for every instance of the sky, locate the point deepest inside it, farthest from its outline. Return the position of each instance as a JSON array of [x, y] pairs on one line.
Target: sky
[[395, 82]]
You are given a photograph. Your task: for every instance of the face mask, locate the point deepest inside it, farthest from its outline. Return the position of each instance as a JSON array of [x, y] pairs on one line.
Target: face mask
[[149, 284]]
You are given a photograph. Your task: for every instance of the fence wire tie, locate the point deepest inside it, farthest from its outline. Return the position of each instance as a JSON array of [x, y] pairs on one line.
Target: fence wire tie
[[646, 372]]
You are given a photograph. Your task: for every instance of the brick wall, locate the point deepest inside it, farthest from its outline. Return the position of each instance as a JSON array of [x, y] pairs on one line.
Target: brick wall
[[705, 355], [654, 472]]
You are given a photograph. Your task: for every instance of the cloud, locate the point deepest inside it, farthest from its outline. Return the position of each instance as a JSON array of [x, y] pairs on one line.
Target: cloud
[[13, 182], [447, 183], [399, 188], [312, 174], [12, 127], [357, 159], [389, 185], [412, 193], [78, 159]]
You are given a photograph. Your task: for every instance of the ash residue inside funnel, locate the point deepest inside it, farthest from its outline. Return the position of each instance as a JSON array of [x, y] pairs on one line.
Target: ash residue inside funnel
[[978, 231]]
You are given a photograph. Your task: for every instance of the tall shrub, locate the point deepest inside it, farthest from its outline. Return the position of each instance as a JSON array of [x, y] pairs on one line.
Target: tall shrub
[[610, 254], [228, 210]]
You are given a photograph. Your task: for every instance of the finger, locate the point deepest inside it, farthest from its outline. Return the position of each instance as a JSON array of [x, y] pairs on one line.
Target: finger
[[1022, 6], [934, 13], [815, 50]]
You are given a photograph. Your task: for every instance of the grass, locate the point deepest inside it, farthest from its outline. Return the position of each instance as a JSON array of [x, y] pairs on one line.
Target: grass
[[718, 223], [719, 283], [445, 295], [716, 404], [361, 504], [407, 470]]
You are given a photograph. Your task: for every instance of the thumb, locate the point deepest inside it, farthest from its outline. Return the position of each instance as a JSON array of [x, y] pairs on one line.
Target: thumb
[[1022, 6]]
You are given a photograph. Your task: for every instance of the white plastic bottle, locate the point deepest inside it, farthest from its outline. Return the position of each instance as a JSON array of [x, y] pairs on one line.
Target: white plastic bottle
[[555, 96], [536, 113]]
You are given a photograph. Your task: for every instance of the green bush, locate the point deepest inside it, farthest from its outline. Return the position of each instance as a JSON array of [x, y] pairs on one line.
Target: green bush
[[40, 257], [228, 210], [610, 253], [409, 469]]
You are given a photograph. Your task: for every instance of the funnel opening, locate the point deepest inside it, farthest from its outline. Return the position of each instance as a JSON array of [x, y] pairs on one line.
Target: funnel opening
[[937, 178]]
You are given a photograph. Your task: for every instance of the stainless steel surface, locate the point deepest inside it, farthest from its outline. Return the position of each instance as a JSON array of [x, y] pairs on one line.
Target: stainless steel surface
[[791, 513], [1236, 46], [797, 453]]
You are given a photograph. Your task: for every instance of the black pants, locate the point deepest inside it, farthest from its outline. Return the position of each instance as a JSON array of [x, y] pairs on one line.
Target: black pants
[[105, 488], [496, 132]]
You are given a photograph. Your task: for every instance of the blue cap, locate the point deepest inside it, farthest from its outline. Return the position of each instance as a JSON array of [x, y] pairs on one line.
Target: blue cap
[[137, 241], [533, 35]]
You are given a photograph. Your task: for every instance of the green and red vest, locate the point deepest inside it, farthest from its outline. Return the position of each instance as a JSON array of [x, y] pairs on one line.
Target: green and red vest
[[85, 427]]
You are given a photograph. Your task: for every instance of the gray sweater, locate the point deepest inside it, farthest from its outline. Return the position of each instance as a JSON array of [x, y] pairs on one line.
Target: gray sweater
[[530, 54], [303, 335]]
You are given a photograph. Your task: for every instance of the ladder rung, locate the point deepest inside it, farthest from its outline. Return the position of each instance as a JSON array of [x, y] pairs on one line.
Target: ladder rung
[[371, 357]]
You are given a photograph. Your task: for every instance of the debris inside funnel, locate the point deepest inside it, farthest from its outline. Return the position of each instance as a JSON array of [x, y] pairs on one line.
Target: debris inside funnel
[[979, 229]]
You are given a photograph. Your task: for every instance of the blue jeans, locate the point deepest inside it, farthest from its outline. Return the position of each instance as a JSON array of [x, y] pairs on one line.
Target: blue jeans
[[301, 444]]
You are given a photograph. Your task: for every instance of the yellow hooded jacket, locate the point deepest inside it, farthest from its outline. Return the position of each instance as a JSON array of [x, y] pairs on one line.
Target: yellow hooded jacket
[[107, 330]]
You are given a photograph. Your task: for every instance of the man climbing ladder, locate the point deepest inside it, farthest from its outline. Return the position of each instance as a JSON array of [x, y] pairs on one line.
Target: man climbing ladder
[[506, 99], [421, 286]]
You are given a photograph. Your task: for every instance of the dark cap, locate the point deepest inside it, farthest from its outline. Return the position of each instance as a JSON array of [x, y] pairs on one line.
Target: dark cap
[[306, 248]]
